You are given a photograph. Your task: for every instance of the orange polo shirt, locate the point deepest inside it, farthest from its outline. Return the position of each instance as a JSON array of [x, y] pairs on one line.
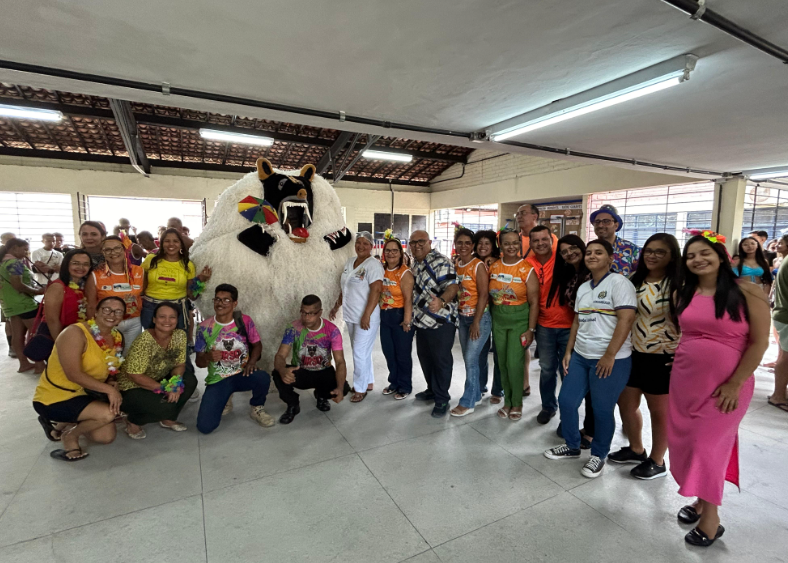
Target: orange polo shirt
[[557, 315], [526, 242]]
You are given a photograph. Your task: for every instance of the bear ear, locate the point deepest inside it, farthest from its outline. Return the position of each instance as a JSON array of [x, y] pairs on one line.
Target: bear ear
[[308, 172], [264, 168]]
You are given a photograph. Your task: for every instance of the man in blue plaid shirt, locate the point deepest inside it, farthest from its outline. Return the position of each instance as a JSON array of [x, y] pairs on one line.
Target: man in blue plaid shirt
[[435, 319]]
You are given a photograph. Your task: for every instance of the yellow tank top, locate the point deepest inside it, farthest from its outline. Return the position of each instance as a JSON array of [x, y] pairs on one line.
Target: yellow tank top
[[54, 386]]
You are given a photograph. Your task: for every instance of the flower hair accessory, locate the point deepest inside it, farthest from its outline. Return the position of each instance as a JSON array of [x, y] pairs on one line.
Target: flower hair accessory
[[457, 226], [389, 235], [708, 234]]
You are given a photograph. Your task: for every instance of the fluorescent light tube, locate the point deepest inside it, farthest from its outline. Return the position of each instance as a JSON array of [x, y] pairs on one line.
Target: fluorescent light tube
[[765, 174], [30, 113], [240, 138], [381, 155], [647, 81]]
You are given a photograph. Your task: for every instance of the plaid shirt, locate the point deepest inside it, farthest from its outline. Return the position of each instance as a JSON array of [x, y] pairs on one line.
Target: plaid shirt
[[432, 276], [625, 257]]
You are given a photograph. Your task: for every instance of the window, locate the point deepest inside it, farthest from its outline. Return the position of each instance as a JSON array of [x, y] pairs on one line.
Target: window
[[646, 211], [146, 214], [765, 209], [481, 218], [30, 215]]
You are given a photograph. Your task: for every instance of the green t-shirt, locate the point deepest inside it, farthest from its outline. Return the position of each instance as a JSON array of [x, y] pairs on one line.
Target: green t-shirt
[[13, 302], [780, 313]]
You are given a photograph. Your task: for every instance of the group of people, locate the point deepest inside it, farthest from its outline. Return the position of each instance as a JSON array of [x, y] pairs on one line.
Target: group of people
[[613, 322]]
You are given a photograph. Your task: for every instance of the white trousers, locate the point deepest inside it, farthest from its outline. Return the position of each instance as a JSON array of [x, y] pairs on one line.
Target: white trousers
[[130, 329], [362, 341]]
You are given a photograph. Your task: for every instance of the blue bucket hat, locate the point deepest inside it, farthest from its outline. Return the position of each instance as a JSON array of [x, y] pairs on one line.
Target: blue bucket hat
[[612, 211]]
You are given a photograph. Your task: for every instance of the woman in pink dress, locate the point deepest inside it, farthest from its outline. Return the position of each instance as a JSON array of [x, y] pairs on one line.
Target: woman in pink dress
[[725, 331]]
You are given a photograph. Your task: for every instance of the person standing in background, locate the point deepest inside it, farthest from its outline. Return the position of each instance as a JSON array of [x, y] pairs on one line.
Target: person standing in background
[[91, 233], [59, 242], [46, 260], [607, 222]]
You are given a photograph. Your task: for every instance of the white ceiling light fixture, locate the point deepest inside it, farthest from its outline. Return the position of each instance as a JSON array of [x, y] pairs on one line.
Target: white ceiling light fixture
[[382, 155], [20, 112], [641, 83], [240, 138], [766, 173]]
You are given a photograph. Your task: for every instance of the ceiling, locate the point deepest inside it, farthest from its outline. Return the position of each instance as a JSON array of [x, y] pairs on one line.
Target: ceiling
[[458, 65]]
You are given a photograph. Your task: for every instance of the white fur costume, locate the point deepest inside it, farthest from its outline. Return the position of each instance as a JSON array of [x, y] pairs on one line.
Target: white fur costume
[[270, 288]]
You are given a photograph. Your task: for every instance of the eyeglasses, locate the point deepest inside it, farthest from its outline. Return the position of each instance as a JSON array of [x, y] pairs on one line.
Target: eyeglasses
[[391, 251], [569, 250], [112, 250], [464, 243], [225, 300], [604, 222], [115, 312], [419, 242], [313, 314], [80, 264], [659, 253]]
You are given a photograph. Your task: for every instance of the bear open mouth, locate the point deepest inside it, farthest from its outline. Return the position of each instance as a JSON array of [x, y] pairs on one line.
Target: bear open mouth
[[294, 217]]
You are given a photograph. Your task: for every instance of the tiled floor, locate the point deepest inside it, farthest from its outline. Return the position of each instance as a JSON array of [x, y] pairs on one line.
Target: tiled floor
[[377, 481]]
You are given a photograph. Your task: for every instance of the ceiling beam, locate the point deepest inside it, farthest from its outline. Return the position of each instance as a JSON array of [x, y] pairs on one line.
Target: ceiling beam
[[333, 151], [339, 174], [124, 119]]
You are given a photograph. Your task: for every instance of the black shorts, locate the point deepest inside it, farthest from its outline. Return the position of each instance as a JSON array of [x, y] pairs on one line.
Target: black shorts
[[29, 315], [64, 411], [649, 373]]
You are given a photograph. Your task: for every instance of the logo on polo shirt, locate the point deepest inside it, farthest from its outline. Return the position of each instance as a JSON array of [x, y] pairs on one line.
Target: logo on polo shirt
[[602, 295]]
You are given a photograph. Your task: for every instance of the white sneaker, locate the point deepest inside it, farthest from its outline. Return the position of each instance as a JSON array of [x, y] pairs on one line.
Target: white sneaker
[[195, 396], [228, 408], [261, 417]]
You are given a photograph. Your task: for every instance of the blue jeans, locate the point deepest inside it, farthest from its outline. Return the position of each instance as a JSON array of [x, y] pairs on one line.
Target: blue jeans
[[217, 394], [484, 369], [552, 347], [470, 354], [604, 393], [397, 345], [146, 315]]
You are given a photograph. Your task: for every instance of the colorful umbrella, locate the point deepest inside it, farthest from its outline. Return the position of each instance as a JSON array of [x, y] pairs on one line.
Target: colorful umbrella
[[257, 210]]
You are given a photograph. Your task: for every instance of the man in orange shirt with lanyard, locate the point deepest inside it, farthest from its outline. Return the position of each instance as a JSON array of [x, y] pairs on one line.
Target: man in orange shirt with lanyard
[[554, 324]]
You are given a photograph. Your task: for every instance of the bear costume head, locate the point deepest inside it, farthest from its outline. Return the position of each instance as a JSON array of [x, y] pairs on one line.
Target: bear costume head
[[276, 236]]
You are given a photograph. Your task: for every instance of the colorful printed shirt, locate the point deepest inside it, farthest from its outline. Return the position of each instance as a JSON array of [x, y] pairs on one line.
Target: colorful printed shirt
[[508, 282], [12, 301], [433, 276], [625, 257], [312, 349], [213, 335], [469, 294], [654, 331], [391, 296], [146, 357]]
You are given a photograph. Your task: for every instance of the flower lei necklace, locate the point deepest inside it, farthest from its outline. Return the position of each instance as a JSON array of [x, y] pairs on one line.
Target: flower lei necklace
[[82, 306], [112, 355]]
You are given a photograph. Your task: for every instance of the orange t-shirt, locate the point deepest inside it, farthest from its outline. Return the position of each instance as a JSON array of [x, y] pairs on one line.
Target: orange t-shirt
[[507, 282], [469, 294], [557, 315], [127, 286], [526, 244], [391, 296]]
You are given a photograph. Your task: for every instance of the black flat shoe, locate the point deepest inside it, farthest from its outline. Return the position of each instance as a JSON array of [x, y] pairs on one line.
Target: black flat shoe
[[290, 414], [698, 537], [322, 405], [688, 515]]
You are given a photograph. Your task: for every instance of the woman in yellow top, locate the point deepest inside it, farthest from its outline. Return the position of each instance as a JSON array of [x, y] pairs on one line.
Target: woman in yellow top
[[514, 294], [117, 277], [170, 278], [475, 322], [396, 308], [76, 390]]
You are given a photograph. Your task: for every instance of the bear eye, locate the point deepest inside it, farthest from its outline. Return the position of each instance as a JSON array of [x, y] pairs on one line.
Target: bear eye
[[282, 183]]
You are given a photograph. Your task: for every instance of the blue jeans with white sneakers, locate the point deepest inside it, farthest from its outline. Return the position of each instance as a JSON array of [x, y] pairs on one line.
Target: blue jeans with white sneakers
[[470, 354]]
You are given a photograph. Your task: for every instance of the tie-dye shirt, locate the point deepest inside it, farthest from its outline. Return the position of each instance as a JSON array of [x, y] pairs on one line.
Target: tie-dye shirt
[[213, 335], [312, 349]]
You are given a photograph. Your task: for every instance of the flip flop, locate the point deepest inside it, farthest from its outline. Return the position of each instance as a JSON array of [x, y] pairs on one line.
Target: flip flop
[[400, 396], [781, 406], [363, 396], [63, 454], [48, 429], [389, 391]]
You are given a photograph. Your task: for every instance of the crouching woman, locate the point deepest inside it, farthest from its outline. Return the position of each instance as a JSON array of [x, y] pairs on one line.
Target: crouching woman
[[76, 395]]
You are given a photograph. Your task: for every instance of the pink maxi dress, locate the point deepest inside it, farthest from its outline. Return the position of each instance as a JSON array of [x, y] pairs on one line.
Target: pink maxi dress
[[703, 443]]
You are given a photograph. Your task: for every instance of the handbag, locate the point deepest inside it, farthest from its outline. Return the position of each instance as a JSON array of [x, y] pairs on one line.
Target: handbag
[[40, 342]]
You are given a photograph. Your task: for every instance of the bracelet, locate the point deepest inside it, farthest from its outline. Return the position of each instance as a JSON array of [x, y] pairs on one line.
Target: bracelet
[[197, 286], [171, 385]]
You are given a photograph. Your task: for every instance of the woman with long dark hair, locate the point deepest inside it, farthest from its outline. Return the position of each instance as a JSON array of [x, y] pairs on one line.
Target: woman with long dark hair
[[654, 341], [725, 331], [170, 277], [753, 266], [485, 248], [65, 302]]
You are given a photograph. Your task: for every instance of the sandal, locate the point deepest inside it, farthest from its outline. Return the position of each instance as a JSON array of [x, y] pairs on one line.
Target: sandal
[[63, 454], [515, 415], [358, 397], [503, 412], [389, 391], [141, 435], [698, 537], [177, 427], [400, 396], [49, 429], [781, 406], [495, 400]]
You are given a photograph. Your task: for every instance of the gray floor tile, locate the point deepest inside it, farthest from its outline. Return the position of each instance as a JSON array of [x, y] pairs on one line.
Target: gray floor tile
[[331, 511], [455, 481], [428, 556], [767, 421], [763, 465], [13, 472], [171, 533]]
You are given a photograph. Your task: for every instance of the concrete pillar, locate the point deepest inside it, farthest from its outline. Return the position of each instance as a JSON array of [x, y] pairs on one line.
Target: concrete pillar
[[728, 212]]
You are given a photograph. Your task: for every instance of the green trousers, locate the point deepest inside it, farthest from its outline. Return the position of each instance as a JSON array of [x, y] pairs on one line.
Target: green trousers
[[144, 407], [509, 322]]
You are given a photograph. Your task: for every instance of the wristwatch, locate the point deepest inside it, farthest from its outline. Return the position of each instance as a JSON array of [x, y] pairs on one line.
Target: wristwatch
[[531, 329]]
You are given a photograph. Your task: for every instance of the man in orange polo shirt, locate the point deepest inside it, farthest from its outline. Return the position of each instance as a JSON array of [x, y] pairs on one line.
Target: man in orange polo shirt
[[527, 218], [554, 324]]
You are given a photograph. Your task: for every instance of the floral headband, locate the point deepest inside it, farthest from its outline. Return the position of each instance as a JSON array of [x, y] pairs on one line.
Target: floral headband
[[708, 234], [389, 235]]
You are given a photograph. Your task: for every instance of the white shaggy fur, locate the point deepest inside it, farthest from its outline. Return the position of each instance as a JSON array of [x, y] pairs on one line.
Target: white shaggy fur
[[270, 288]]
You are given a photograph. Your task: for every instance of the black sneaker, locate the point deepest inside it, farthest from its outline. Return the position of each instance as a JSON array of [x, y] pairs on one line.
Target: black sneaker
[[544, 416], [323, 405], [440, 410], [562, 452], [649, 470], [290, 414], [593, 467], [626, 455], [425, 396]]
